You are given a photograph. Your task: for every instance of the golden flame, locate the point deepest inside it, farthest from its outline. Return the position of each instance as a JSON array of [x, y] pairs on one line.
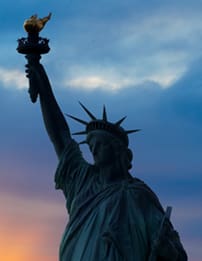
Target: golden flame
[[35, 24]]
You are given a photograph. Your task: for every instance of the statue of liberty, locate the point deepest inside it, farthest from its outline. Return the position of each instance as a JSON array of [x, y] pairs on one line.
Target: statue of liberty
[[113, 216]]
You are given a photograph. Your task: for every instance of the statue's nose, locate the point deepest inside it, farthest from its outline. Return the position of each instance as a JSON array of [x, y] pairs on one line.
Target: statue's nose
[[94, 149]]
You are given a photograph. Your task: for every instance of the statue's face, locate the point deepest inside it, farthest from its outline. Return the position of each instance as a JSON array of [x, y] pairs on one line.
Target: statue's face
[[100, 144]]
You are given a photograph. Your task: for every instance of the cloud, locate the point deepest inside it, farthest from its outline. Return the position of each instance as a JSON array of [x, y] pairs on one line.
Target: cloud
[[157, 45], [92, 82], [89, 79], [161, 47], [13, 78], [156, 49], [113, 79], [163, 29]]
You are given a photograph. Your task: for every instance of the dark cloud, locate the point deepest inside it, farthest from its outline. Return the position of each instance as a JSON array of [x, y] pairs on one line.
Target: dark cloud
[[169, 146], [186, 94], [165, 146]]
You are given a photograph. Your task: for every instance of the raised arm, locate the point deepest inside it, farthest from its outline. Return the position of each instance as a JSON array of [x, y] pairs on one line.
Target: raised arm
[[54, 120]]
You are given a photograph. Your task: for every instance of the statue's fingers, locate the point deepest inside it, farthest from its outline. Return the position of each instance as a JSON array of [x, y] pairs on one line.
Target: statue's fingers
[[28, 72]]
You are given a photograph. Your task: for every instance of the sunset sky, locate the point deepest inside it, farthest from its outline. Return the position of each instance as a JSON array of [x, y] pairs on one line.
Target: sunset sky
[[142, 59]]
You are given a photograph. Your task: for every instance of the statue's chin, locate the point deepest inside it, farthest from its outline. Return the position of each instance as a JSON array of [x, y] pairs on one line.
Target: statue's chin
[[103, 164]]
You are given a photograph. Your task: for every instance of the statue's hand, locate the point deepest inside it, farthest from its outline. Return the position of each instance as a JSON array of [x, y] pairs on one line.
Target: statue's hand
[[166, 246], [166, 249]]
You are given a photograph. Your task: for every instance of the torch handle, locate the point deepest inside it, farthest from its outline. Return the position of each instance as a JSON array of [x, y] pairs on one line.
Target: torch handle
[[33, 59]]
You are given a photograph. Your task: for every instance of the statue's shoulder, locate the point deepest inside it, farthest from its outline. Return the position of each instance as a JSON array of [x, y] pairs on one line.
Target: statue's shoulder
[[145, 194], [140, 185]]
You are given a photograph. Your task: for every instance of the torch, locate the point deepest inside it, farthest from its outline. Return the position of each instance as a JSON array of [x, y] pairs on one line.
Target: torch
[[33, 46]]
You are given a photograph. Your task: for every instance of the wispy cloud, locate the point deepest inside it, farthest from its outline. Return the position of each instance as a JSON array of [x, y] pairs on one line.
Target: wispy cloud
[[113, 80], [95, 81], [157, 48], [161, 47], [13, 78]]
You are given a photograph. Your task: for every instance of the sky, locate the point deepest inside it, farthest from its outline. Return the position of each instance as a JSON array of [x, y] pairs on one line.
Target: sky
[[142, 59]]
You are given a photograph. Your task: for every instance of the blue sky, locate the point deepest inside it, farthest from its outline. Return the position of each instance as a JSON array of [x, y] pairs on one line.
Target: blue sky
[[141, 59]]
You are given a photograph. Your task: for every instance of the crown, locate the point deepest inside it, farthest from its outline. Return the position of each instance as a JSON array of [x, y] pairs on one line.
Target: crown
[[103, 125]]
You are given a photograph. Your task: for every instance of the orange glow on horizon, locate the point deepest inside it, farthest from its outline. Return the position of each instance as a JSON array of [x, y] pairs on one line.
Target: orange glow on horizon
[[30, 229]]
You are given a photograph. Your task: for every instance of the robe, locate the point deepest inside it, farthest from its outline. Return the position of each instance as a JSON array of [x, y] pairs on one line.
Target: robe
[[118, 221]]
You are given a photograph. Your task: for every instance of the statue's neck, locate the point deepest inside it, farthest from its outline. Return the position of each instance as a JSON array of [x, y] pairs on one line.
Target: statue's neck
[[113, 173]]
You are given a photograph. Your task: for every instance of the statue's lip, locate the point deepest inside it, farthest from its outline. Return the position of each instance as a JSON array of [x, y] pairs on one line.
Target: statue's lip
[[95, 155]]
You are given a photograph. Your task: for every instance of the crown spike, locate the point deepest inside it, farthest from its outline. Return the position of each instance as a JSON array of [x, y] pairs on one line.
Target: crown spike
[[77, 119], [104, 116], [83, 142], [132, 131], [80, 133], [118, 123], [87, 111]]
